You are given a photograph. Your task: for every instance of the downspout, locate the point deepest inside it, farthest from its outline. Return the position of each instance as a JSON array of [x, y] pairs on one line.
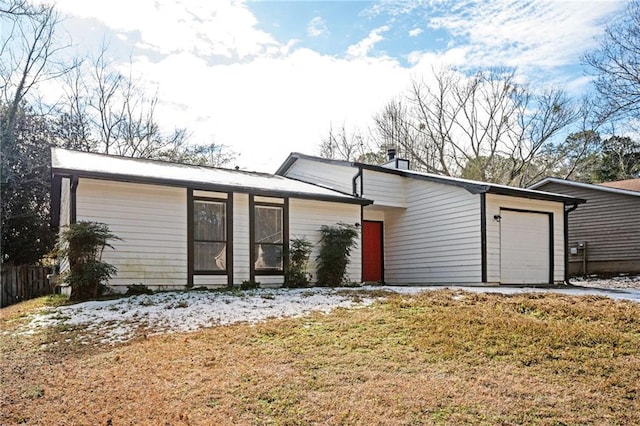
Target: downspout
[[354, 183], [73, 207], [566, 242], [483, 237]]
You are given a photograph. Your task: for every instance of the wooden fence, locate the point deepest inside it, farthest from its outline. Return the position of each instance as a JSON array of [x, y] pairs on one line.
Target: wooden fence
[[24, 282]]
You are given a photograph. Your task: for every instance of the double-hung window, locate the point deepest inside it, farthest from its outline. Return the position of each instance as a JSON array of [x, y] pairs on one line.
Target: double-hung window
[[209, 236], [268, 238]]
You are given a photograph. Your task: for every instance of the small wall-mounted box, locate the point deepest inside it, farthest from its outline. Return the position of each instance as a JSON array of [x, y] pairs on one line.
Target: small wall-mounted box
[[574, 250]]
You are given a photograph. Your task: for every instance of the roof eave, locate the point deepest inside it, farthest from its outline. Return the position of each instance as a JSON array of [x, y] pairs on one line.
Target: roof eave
[[208, 186], [567, 200], [472, 187], [551, 180]]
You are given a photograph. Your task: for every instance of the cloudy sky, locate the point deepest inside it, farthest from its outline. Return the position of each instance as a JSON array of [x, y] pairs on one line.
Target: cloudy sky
[[269, 77]]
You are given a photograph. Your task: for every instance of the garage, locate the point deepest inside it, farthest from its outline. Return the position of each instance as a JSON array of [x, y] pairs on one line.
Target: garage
[[526, 242]]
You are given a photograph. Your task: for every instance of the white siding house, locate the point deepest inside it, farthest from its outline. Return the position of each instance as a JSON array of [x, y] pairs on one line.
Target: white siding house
[[428, 229], [188, 226], [151, 221]]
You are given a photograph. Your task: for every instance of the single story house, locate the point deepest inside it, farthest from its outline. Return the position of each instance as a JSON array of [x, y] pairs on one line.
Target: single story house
[[184, 226], [428, 229], [604, 235]]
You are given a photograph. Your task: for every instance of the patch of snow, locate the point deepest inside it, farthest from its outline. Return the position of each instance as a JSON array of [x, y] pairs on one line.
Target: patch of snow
[[621, 281], [120, 320]]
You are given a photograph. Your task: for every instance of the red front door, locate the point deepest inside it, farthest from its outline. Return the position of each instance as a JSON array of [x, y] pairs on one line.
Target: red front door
[[372, 251]]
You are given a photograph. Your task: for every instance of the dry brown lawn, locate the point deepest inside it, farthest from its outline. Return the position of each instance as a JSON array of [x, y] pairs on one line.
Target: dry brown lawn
[[437, 358]]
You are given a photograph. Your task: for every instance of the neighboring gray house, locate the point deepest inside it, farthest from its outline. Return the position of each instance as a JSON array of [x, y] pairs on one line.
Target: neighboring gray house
[[604, 234], [425, 228]]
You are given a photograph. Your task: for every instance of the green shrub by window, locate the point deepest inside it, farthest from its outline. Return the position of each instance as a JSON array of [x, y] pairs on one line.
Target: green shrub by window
[[82, 244], [299, 252], [249, 285], [336, 244]]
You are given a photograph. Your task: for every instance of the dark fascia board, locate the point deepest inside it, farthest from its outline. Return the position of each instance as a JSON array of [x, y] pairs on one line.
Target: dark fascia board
[[589, 186], [472, 187], [205, 186], [538, 195]]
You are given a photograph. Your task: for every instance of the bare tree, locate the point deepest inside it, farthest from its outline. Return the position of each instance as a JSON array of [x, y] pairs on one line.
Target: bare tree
[[106, 111], [354, 146], [394, 128], [486, 127], [73, 126], [616, 66], [27, 58], [16, 8], [211, 155], [27, 55]]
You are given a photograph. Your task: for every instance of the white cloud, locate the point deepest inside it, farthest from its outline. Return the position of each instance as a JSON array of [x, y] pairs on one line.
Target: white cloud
[[541, 33], [266, 99], [269, 107], [362, 48], [415, 32], [264, 105], [317, 27], [222, 28]]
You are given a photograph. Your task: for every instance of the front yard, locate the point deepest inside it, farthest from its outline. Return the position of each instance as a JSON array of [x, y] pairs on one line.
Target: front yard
[[439, 357]]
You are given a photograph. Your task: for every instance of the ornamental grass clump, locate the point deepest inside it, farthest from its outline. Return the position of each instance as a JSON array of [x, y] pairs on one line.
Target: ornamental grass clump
[[82, 243], [336, 244]]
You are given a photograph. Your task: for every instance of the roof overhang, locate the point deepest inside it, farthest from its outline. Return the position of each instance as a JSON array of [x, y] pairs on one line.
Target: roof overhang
[[591, 186], [314, 192], [474, 187], [205, 186]]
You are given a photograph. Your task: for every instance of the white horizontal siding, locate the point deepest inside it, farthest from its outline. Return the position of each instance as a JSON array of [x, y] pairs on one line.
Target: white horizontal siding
[[151, 220], [273, 200], [436, 239], [209, 194], [339, 178], [211, 281], [371, 213], [493, 204], [240, 238], [385, 189], [307, 216]]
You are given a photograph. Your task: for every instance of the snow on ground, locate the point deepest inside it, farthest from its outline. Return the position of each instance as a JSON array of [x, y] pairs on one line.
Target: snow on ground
[[119, 320], [122, 319], [622, 281]]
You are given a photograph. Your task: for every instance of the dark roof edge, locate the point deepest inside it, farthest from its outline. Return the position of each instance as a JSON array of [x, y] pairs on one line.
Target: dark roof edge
[[595, 187], [538, 195], [205, 186], [472, 187]]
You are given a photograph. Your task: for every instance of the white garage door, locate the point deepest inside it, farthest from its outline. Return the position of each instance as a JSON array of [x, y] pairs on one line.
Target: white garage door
[[524, 247]]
